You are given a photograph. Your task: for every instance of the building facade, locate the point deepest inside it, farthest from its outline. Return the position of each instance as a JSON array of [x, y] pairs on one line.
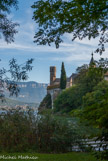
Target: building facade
[[54, 87]]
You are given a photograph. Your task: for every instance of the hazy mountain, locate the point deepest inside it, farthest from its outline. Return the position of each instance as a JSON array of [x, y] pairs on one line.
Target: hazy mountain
[[14, 103], [30, 92]]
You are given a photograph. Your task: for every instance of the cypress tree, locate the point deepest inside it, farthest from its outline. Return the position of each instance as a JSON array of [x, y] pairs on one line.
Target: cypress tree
[[63, 77]]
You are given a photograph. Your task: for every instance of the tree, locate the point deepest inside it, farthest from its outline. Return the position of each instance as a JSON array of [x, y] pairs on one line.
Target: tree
[[95, 112], [81, 73], [95, 106], [68, 100], [82, 18], [87, 79], [10, 77], [89, 76], [7, 27], [63, 77], [22, 131], [45, 104]]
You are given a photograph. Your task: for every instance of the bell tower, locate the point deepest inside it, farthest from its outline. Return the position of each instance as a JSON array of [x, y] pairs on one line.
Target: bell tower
[[92, 62], [52, 74]]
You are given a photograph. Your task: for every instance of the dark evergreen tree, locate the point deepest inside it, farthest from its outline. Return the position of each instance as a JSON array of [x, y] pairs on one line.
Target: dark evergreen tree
[[63, 77]]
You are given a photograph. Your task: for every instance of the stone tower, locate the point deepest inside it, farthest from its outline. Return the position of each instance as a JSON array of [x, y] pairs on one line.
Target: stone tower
[[52, 74]]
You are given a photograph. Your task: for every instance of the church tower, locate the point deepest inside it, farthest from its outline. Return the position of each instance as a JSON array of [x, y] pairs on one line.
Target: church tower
[[52, 74], [92, 62]]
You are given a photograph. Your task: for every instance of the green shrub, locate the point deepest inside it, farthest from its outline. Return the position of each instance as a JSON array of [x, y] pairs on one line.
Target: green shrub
[[103, 155], [68, 100], [56, 135], [16, 131], [23, 131], [46, 103]]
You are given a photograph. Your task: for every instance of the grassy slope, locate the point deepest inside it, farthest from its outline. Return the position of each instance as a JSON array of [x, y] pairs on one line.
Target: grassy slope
[[74, 156]]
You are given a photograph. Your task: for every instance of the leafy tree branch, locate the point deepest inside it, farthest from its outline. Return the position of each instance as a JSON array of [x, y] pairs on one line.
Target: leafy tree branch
[[7, 27], [15, 73], [82, 18]]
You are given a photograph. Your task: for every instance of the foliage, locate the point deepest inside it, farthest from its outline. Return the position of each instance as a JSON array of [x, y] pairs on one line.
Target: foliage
[[68, 100], [63, 77], [24, 131], [90, 80], [15, 73], [84, 18], [87, 78], [95, 106], [8, 30], [46, 103], [73, 156], [7, 27], [56, 135], [95, 113], [15, 131], [103, 155], [81, 73]]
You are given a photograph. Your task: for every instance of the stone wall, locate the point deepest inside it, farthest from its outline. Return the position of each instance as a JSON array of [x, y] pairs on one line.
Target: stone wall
[[54, 93]]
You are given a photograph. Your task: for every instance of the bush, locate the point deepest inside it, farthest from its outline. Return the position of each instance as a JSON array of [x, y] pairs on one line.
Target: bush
[[68, 100], [16, 133], [56, 135], [23, 131], [95, 113], [103, 155], [46, 103]]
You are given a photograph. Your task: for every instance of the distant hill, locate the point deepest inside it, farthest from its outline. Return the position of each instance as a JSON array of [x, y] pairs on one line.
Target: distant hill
[[14, 103], [30, 92]]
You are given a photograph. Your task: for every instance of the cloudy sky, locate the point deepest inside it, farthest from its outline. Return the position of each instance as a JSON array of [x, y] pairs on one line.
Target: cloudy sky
[[73, 54]]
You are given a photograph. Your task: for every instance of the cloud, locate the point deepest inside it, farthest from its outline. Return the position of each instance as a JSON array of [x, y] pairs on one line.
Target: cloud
[[69, 51]]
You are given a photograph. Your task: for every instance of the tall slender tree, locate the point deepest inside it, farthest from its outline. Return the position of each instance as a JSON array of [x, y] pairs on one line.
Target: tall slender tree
[[63, 77]]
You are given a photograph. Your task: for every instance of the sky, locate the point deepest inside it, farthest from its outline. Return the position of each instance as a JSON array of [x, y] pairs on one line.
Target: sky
[[73, 54]]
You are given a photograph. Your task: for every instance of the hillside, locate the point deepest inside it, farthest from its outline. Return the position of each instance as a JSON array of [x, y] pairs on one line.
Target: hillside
[[14, 103], [30, 92]]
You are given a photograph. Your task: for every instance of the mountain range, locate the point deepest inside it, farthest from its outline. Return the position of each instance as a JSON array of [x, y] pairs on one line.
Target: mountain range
[[30, 92]]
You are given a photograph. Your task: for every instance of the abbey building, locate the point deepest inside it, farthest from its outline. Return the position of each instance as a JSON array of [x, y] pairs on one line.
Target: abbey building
[[54, 86]]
